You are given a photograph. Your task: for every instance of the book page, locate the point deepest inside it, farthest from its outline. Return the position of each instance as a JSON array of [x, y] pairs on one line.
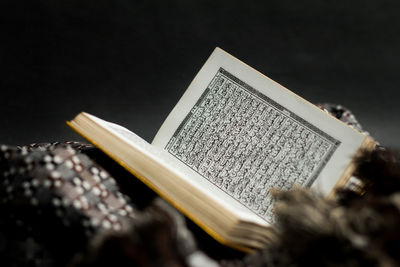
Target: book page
[[182, 171], [246, 134]]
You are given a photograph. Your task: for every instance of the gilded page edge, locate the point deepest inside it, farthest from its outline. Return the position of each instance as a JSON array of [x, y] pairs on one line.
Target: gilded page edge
[[191, 216], [368, 144]]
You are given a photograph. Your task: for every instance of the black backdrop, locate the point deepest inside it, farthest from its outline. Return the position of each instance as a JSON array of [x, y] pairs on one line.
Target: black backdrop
[[129, 61]]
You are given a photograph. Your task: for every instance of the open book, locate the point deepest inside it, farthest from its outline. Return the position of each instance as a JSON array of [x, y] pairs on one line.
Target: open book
[[233, 136]]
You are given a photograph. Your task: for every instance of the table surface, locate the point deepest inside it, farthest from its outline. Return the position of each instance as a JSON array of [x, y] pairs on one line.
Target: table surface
[[130, 61]]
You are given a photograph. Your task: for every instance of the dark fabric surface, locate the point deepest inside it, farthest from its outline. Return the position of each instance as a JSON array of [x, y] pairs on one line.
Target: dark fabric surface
[[68, 204], [63, 208]]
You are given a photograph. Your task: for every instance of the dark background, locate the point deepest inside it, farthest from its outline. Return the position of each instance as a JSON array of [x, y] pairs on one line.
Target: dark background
[[130, 61]]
